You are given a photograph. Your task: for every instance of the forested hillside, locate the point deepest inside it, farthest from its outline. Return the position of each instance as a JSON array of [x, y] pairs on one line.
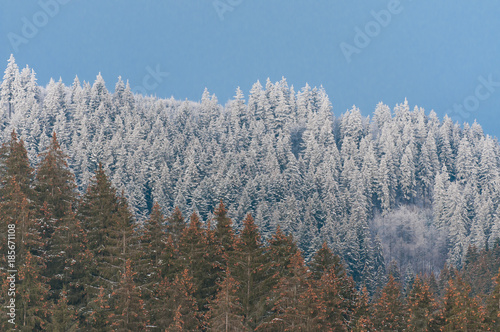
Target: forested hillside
[[400, 185], [82, 263]]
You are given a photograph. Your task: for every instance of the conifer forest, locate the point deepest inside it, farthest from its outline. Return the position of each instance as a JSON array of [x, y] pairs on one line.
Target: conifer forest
[[273, 212]]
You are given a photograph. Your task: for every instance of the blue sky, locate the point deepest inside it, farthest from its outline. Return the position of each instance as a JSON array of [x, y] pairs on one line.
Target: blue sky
[[437, 54]]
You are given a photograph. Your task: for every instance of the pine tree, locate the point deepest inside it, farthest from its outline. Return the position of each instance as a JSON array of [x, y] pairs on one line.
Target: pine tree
[[280, 251], [152, 251], [225, 310], [466, 167], [296, 178], [7, 88], [71, 259], [107, 222], [154, 290], [322, 261], [432, 282], [460, 312], [311, 308], [15, 165], [428, 165], [446, 153], [64, 318], [223, 229], [386, 182], [124, 239], [447, 273], [55, 183], [99, 312], [193, 255], [390, 310], [178, 304], [178, 324], [128, 311], [337, 298], [221, 242], [479, 270], [55, 189], [421, 306], [291, 310], [31, 290], [16, 207], [408, 182], [487, 169], [493, 306], [25, 102], [176, 225], [363, 313], [249, 272]]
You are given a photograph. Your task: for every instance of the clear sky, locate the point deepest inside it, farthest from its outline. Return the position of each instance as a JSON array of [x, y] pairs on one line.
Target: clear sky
[[437, 54]]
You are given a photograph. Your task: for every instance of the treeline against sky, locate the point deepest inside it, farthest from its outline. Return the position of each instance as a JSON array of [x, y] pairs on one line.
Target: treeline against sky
[[401, 184], [84, 263]]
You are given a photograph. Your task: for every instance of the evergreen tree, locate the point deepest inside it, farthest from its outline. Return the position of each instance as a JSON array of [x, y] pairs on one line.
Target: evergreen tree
[[458, 223], [390, 310], [108, 225], [176, 225], [16, 206], [225, 310], [322, 261], [223, 229], [337, 295], [493, 306], [25, 103], [460, 312], [488, 166], [408, 182], [7, 88], [177, 325], [55, 183], [128, 313], [280, 251], [55, 189], [70, 261], [124, 236], [421, 306], [153, 255], [283, 157], [292, 309], [31, 290], [64, 318], [447, 274], [16, 209], [99, 312], [193, 254], [154, 291], [363, 313], [15, 165], [178, 304], [249, 272]]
